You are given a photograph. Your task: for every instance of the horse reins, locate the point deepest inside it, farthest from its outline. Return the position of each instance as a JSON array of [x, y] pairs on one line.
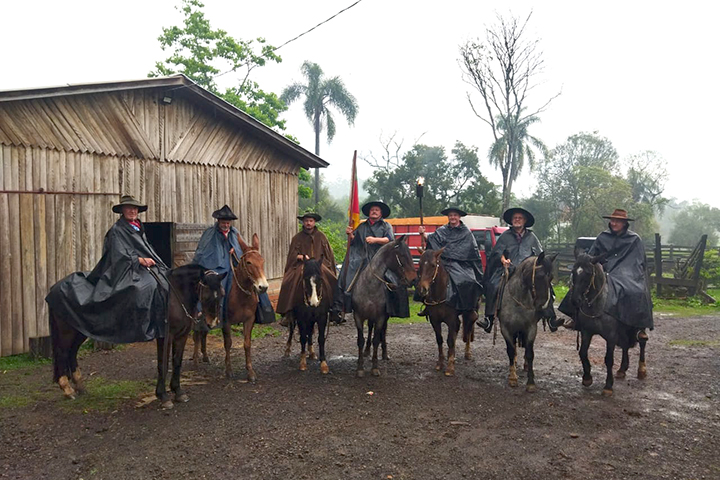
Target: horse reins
[[247, 274], [597, 294], [437, 267]]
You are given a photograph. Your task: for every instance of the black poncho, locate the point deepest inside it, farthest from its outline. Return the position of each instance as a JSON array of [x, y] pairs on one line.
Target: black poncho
[[462, 261], [119, 301], [628, 297], [518, 250]]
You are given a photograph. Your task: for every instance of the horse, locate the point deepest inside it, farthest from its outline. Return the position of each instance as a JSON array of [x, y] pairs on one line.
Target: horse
[[432, 287], [526, 294], [589, 294], [368, 299], [188, 285], [313, 311], [248, 282]]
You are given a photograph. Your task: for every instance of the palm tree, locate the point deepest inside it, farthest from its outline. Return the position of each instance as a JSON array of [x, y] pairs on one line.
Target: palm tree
[[510, 151], [320, 94]]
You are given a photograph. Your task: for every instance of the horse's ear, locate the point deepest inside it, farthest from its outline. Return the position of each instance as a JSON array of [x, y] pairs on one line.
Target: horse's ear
[[256, 242], [553, 257], [421, 250], [540, 258], [401, 238], [242, 243], [223, 276], [439, 252]]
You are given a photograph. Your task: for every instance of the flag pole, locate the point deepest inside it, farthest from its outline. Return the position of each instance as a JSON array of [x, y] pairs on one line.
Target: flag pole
[[351, 223]]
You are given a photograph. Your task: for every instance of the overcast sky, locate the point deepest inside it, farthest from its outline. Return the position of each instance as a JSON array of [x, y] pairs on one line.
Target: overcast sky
[[643, 74]]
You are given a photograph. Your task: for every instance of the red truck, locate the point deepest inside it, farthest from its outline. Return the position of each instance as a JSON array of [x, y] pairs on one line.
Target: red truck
[[484, 229]]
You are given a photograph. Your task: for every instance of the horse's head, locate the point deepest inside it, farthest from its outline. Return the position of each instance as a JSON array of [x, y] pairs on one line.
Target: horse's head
[[428, 271], [402, 263], [253, 264], [537, 277], [211, 293], [312, 282], [584, 274]]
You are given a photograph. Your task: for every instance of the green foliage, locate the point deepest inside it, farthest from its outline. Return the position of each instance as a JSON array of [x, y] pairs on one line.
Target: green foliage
[[304, 181], [710, 271], [24, 360], [202, 53], [694, 221], [104, 395], [259, 331], [335, 233], [647, 175], [457, 181]]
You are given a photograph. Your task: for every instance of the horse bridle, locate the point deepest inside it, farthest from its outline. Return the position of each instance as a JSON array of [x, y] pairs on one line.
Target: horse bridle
[[245, 270], [533, 291], [318, 288], [432, 281], [389, 285], [597, 294]]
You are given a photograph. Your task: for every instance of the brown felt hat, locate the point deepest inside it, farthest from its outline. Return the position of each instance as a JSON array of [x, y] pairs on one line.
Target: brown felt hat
[[129, 200], [224, 214], [619, 214]]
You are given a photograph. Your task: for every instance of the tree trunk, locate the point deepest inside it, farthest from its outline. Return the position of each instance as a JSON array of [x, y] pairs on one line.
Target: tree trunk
[[317, 152]]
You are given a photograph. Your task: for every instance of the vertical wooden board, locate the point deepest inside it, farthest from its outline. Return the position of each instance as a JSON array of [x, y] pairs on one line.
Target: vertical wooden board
[[15, 169], [16, 274], [152, 213], [86, 214], [179, 187], [71, 223], [51, 239], [42, 326], [27, 251], [6, 323]]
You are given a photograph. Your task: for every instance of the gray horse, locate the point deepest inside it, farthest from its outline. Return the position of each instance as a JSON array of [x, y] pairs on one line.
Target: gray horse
[[526, 294], [369, 300]]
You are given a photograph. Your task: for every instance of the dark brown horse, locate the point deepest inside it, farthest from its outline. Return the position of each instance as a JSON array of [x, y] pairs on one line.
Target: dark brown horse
[[432, 287], [190, 284], [248, 281]]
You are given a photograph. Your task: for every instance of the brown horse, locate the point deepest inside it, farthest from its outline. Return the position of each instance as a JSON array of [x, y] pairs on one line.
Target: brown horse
[[432, 287], [188, 284], [248, 281]]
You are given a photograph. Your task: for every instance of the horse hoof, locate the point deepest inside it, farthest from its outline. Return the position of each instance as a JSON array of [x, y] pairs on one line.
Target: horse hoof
[[286, 353], [587, 382], [70, 396], [312, 356], [620, 374], [607, 392], [449, 373], [252, 378], [468, 356], [182, 398], [324, 369], [376, 372], [360, 373], [438, 367], [229, 375], [385, 357], [303, 367], [206, 360], [167, 405], [642, 374], [513, 383], [525, 366], [530, 388]]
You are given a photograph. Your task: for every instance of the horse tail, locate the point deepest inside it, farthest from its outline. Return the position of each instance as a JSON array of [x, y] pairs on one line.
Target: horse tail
[[55, 340]]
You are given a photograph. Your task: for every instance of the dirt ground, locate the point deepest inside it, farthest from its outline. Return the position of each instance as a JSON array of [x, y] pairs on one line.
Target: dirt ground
[[410, 423]]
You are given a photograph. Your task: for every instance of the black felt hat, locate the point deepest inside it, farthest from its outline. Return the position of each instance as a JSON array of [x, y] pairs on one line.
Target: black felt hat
[[224, 214], [129, 200], [309, 215], [384, 209], [462, 213], [529, 219]]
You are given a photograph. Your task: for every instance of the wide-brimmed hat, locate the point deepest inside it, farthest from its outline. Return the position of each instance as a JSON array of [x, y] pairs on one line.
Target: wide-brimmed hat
[[309, 215], [384, 209], [129, 200], [224, 214], [529, 219], [462, 213], [619, 214]]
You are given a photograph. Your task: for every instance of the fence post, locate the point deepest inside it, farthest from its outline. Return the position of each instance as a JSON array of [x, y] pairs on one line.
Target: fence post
[[698, 265], [658, 264]]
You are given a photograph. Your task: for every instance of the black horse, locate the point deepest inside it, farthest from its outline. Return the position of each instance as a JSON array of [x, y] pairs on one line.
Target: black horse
[[190, 284], [588, 297], [313, 311]]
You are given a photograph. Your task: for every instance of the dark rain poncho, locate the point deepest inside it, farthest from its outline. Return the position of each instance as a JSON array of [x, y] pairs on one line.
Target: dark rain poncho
[[462, 261], [213, 253], [120, 301], [628, 297], [359, 256], [518, 250]]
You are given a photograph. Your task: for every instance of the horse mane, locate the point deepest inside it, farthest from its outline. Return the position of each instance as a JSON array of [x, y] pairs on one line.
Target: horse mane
[[311, 268], [379, 257]]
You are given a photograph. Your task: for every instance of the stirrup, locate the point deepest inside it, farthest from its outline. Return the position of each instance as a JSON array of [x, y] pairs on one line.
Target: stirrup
[[486, 323], [642, 335]]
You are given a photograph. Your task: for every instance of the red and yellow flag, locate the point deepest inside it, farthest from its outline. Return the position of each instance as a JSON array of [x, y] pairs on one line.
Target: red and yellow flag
[[354, 208]]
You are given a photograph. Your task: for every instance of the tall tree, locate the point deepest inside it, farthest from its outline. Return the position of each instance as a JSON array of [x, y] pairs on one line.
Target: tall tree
[[694, 221], [202, 54], [503, 69], [320, 94], [647, 174]]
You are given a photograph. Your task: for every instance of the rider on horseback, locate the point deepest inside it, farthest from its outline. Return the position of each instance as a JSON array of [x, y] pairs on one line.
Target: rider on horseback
[[461, 259], [519, 243], [365, 242], [308, 243]]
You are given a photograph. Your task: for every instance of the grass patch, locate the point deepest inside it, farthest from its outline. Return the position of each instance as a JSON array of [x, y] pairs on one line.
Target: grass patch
[[14, 401], [259, 331], [15, 362], [105, 395], [694, 343]]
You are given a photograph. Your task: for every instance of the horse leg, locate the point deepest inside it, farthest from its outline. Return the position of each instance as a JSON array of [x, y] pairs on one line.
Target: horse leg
[[62, 338], [642, 369], [468, 323], [247, 333], [360, 343], [512, 377], [311, 330], [75, 371], [383, 340], [303, 327], [451, 338], [227, 343], [178, 349], [609, 360], [203, 336], [584, 346], [288, 345], [437, 326], [376, 341], [160, 391], [196, 348], [371, 326], [529, 358], [624, 363], [322, 326]]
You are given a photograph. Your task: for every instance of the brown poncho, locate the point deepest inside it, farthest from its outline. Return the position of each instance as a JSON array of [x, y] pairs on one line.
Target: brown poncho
[[314, 245]]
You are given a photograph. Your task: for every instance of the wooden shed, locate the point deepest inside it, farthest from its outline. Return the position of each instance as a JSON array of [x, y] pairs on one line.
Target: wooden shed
[[68, 153]]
